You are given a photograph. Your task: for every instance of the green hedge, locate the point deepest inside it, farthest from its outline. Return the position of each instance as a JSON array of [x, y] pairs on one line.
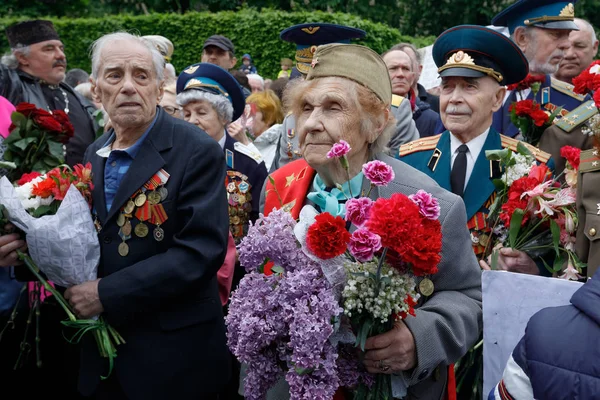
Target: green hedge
[[253, 32]]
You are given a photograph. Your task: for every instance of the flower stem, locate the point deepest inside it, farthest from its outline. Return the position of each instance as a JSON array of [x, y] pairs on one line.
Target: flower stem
[[379, 266], [35, 271]]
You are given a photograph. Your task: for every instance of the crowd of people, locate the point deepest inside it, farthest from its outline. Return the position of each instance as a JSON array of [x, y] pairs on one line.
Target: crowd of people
[[234, 145]]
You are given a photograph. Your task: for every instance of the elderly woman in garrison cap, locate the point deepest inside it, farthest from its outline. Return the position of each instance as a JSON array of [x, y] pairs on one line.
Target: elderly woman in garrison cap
[[347, 95]]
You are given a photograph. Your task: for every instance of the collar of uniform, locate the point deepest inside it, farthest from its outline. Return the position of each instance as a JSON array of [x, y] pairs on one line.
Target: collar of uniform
[[132, 150], [223, 140], [475, 145]]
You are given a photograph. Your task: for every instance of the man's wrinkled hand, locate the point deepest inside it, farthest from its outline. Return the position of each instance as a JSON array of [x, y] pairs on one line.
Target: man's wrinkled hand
[[513, 261], [9, 244], [392, 351], [84, 299]]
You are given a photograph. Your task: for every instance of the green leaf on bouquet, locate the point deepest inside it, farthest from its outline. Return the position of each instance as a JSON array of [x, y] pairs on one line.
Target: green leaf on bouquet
[[45, 210], [559, 261], [8, 165], [515, 226], [523, 150], [363, 333], [303, 371], [494, 259], [556, 111], [499, 184], [17, 118], [278, 269], [23, 143], [15, 135], [497, 155], [261, 267], [555, 229], [40, 167], [549, 268], [56, 149]]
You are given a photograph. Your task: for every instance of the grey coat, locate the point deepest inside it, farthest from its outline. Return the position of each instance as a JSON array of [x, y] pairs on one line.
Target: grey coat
[[449, 322]]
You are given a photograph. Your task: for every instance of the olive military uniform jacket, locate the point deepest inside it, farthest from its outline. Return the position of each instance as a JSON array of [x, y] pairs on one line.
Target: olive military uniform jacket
[[587, 245]]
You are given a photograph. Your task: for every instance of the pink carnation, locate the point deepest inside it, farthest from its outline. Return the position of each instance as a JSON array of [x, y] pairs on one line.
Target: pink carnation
[[339, 149], [428, 205], [378, 172], [357, 210], [363, 244]]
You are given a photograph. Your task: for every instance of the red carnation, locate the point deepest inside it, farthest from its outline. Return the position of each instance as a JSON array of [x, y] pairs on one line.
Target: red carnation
[[25, 108], [327, 237], [587, 81], [44, 188], [26, 178], [527, 82], [514, 202], [403, 229], [571, 154], [540, 117]]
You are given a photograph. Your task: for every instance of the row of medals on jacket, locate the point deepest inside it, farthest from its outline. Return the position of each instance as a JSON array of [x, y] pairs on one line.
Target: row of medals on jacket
[[141, 230]]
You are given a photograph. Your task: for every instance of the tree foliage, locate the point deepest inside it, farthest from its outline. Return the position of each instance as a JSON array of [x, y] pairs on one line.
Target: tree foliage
[[412, 17], [253, 32]]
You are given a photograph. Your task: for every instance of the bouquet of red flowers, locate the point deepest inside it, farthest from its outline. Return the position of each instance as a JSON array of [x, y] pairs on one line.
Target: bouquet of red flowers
[[527, 115], [589, 82], [36, 140], [53, 212], [535, 213]]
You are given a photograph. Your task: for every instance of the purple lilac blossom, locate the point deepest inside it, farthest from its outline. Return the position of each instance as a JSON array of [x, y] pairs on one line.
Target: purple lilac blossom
[[271, 237], [428, 205], [350, 370]]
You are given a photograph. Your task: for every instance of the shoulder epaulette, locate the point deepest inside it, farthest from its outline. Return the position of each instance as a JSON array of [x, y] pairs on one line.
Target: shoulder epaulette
[[578, 116], [397, 100], [565, 88], [250, 151], [289, 113], [510, 143], [427, 143], [590, 161]]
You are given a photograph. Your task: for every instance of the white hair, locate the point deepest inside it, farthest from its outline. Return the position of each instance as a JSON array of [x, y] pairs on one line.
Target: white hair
[[10, 59], [98, 45], [257, 77], [589, 28], [221, 104], [85, 89]]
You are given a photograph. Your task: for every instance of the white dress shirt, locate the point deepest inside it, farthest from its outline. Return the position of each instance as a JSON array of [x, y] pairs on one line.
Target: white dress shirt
[[475, 145]]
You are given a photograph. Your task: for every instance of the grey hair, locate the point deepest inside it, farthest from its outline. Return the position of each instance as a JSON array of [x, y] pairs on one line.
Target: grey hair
[[98, 45], [528, 31], [221, 104], [257, 77], [10, 59], [404, 45], [589, 27]]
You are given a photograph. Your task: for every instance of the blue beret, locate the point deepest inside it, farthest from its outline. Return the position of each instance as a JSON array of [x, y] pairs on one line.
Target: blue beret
[[549, 14], [475, 51], [213, 79], [307, 37]]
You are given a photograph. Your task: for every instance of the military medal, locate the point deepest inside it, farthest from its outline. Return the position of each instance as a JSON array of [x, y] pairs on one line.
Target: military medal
[[163, 193], [123, 249], [426, 287], [158, 234], [126, 228], [154, 197], [141, 230], [129, 207], [121, 220], [140, 200]]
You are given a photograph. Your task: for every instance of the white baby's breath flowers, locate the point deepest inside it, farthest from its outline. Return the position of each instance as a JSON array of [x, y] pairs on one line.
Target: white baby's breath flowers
[[519, 169], [359, 293]]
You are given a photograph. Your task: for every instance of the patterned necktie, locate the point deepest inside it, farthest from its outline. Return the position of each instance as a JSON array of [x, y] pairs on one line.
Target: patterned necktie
[[459, 171]]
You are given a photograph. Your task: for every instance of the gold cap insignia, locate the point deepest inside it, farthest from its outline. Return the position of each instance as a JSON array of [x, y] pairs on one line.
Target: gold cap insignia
[[568, 11], [191, 69], [311, 29], [460, 59]]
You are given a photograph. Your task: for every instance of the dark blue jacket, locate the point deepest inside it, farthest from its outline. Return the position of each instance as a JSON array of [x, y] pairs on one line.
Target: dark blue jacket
[[559, 352]]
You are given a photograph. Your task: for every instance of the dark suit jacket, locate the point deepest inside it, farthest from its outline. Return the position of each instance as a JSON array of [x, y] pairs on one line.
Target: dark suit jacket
[[163, 297]]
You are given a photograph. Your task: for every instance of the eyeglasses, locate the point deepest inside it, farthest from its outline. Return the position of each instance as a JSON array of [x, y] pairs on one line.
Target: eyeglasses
[[171, 110]]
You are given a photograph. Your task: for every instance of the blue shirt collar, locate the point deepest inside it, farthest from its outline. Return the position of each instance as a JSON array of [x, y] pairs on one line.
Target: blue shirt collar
[[132, 150]]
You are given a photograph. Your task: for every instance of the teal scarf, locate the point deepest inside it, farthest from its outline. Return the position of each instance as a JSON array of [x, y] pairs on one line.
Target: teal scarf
[[329, 201]]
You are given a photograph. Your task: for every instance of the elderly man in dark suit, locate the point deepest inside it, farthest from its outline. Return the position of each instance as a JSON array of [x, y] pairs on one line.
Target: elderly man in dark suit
[[161, 208]]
